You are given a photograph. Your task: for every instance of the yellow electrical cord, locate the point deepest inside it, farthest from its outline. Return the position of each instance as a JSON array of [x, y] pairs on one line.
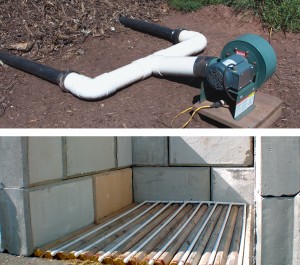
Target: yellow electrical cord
[[193, 114]]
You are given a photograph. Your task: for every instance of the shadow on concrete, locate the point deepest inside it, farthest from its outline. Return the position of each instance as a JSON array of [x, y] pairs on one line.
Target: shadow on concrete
[[8, 223]]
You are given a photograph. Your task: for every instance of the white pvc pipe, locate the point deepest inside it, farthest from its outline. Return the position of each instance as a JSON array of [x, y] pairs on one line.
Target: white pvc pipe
[[216, 246], [126, 260], [158, 63], [188, 252], [115, 231], [55, 251], [158, 254], [101, 258]]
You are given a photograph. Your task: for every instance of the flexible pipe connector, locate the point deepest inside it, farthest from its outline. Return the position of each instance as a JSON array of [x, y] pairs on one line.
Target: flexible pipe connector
[[170, 61]]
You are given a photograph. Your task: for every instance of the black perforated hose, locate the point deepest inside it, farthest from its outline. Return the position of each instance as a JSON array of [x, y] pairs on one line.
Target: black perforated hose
[[48, 73], [156, 30]]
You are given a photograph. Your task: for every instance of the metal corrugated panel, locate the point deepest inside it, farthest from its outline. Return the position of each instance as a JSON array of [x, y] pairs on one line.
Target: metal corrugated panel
[[161, 233]]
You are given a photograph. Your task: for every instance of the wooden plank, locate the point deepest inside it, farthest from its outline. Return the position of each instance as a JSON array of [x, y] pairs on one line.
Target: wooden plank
[[266, 112], [112, 191]]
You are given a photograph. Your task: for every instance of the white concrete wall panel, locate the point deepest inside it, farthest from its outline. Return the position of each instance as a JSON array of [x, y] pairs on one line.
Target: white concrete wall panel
[[124, 151], [57, 210], [167, 183], [45, 159], [92, 154], [280, 167], [150, 151], [233, 185], [218, 151]]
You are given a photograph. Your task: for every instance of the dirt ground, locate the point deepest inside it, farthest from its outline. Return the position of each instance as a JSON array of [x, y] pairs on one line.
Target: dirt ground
[[29, 102]]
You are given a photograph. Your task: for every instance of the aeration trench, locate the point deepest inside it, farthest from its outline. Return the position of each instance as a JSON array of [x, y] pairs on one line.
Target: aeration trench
[[161, 233]]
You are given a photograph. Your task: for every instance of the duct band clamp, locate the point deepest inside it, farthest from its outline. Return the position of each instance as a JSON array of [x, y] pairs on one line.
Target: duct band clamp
[[61, 79]]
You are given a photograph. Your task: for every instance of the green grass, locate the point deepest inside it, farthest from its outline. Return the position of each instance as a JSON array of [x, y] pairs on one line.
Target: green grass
[[277, 15]]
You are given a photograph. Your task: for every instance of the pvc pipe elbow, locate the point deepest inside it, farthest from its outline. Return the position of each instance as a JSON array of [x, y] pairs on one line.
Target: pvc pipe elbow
[[87, 88]]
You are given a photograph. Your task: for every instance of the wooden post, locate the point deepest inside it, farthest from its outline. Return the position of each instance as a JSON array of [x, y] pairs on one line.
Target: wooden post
[[196, 254], [222, 253], [235, 243], [210, 245], [169, 253], [151, 245]]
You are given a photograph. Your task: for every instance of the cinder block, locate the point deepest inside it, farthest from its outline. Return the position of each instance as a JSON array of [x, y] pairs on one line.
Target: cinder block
[[150, 151], [167, 183], [124, 152], [275, 230], [13, 162], [44, 159], [233, 185], [89, 154], [113, 191], [218, 151], [296, 251], [15, 222], [57, 210], [280, 166]]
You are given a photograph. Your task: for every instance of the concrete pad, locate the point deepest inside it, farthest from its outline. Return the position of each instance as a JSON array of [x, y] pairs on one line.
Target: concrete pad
[[280, 166], [45, 159], [124, 151], [233, 185], [15, 222], [218, 151], [13, 162], [150, 151], [167, 183], [57, 210], [113, 191], [275, 230], [89, 154]]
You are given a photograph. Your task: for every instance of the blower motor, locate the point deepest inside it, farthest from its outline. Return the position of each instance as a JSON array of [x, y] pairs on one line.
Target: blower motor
[[245, 64]]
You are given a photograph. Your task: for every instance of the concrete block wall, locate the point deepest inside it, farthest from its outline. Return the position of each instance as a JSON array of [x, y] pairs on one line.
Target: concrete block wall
[[193, 168], [51, 186], [277, 200]]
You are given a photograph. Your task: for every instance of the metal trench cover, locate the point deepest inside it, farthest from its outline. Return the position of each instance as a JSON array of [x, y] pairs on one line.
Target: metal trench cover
[[162, 233]]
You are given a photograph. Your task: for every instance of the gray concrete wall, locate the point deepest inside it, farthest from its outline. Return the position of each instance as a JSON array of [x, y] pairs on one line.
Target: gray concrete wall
[[46, 185], [277, 201], [169, 183], [280, 164], [164, 166]]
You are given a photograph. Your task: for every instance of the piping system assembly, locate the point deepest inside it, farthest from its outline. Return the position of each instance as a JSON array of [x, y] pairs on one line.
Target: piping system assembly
[[244, 65]]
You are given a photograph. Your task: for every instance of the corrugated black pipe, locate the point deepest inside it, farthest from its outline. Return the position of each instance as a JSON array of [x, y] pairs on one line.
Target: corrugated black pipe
[[48, 73], [151, 29]]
